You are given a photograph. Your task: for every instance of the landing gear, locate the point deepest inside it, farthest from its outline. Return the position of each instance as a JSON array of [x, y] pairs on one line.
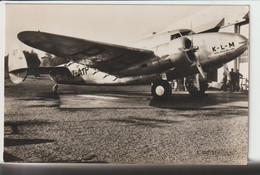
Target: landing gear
[[196, 86], [55, 88], [161, 89]]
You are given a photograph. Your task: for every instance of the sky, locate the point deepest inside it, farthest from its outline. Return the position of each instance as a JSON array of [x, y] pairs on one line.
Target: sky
[[117, 24]]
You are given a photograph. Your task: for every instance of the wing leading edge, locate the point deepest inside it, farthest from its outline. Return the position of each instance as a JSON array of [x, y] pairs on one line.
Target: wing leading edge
[[105, 57]]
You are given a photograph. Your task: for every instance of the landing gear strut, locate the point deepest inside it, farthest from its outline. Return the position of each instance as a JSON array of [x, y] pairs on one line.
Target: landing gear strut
[[55, 88], [196, 86], [161, 89]]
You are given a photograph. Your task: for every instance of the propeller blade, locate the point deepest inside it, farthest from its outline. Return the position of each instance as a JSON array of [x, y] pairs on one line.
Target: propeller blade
[[200, 69], [190, 50], [197, 83]]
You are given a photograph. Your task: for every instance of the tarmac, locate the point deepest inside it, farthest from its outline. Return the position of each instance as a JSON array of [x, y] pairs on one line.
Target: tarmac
[[122, 125]]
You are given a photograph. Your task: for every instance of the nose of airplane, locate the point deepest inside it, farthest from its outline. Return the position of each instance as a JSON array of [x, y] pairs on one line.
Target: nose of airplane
[[242, 41]]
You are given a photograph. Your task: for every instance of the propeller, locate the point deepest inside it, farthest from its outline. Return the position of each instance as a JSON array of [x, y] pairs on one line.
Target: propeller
[[190, 50]]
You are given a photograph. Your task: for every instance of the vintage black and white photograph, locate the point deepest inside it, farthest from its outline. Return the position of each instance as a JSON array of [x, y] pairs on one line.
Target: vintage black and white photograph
[[126, 83]]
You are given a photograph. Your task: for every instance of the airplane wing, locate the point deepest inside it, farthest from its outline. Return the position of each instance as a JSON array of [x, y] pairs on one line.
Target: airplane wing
[[105, 57]]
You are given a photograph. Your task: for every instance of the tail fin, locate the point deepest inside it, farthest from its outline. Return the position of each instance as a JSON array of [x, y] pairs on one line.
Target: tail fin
[[17, 65]]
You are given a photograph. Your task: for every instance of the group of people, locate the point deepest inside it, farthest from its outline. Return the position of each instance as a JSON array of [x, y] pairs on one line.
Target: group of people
[[234, 80]]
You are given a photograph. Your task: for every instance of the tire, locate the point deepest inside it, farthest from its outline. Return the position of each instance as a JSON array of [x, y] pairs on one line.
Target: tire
[[161, 90]]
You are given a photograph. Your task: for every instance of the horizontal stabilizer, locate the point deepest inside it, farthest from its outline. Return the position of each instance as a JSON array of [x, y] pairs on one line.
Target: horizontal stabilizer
[[18, 68], [51, 70], [43, 70]]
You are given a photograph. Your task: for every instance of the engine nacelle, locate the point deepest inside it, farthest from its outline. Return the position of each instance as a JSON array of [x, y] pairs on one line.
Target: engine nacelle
[[183, 52]]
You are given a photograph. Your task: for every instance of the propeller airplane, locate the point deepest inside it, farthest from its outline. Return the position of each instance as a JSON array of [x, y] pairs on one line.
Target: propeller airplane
[[157, 59]]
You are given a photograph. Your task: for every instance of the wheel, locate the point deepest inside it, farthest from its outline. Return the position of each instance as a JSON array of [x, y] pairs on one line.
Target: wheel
[[161, 89], [55, 88], [193, 90]]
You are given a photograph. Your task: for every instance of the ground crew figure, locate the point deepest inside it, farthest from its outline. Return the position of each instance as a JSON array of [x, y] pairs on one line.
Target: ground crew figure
[[180, 85], [226, 77], [232, 80], [237, 78]]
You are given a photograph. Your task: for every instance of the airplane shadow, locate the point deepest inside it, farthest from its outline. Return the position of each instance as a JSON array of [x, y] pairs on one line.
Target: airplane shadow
[[15, 142], [11, 158], [179, 100], [16, 124], [183, 100]]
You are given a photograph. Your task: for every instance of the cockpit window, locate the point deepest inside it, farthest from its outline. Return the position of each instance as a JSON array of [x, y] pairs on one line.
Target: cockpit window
[[175, 36], [186, 33], [180, 34]]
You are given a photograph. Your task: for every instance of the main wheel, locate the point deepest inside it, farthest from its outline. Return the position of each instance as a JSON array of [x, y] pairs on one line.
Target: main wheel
[[161, 89]]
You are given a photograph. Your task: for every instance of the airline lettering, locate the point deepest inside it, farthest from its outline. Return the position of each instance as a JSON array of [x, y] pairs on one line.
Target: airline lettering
[[223, 48], [80, 72]]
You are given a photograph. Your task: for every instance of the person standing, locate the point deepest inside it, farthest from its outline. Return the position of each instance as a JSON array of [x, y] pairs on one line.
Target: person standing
[[238, 75], [226, 77], [232, 80]]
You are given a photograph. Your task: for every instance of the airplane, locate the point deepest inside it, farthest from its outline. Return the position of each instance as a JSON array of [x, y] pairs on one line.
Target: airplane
[[157, 59]]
